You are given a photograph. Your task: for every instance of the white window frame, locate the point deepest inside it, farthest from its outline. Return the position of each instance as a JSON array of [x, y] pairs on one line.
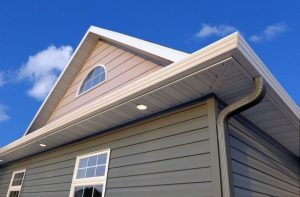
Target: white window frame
[[93, 180], [15, 188], [78, 94]]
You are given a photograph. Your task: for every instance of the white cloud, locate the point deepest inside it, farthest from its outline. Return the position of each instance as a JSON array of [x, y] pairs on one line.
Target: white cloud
[[3, 114], [270, 32], [43, 68], [214, 30]]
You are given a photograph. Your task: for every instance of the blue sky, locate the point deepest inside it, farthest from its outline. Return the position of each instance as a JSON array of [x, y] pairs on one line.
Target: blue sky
[[38, 37]]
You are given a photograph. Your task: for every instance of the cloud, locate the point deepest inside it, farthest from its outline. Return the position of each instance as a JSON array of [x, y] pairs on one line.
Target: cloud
[[3, 114], [214, 30], [270, 32], [43, 68]]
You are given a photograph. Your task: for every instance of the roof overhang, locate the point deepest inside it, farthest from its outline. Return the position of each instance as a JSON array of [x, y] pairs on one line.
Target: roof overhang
[[225, 68]]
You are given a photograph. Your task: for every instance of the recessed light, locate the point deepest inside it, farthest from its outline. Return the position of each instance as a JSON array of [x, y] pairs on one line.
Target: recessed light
[[1, 160], [141, 107], [43, 145]]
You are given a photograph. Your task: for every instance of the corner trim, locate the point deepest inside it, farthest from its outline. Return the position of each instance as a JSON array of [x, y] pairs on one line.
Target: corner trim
[[212, 109]]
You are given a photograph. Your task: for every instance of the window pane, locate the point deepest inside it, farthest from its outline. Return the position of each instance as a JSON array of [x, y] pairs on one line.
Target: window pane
[[98, 191], [17, 182], [16, 176], [98, 70], [102, 159], [83, 163], [14, 194], [100, 171], [95, 77], [89, 76], [81, 173], [102, 77], [88, 85], [78, 192], [96, 81], [92, 161], [88, 191], [19, 175], [90, 172], [22, 175]]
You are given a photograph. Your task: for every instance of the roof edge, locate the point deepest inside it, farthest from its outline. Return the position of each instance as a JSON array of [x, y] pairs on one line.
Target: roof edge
[[221, 49], [57, 81], [142, 45], [261, 68]]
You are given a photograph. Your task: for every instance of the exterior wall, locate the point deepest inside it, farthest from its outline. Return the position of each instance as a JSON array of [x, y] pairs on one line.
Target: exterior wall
[[123, 67], [167, 155], [260, 166]]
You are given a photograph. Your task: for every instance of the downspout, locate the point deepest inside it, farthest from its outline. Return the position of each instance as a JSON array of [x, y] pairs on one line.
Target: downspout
[[222, 124]]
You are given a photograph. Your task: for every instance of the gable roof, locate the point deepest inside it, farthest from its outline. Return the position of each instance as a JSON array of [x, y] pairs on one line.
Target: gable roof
[[154, 51]]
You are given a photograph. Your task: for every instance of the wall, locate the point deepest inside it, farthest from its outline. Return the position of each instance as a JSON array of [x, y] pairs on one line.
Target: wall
[[123, 67], [167, 155], [260, 166]]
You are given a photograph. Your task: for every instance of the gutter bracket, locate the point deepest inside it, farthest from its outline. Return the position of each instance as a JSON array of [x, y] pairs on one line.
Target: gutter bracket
[[222, 126]]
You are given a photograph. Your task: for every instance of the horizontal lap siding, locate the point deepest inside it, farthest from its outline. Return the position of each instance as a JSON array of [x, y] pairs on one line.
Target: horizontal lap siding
[[260, 167], [123, 67], [164, 156]]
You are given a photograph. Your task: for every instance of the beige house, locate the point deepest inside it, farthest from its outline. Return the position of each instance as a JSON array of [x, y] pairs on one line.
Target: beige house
[[130, 118]]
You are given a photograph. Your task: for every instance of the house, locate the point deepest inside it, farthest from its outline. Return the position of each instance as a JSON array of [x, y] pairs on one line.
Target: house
[[129, 118]]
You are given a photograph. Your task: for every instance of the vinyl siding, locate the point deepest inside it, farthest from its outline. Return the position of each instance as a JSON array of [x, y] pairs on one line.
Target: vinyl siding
[[123, 67], [260, 166], [167, 155]]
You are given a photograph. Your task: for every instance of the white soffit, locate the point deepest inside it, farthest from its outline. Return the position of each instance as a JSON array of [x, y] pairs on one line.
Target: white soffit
[[202, 62]]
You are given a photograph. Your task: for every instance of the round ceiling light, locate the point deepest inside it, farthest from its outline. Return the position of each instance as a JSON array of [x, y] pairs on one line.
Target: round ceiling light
[[141, 107], [43, 145]]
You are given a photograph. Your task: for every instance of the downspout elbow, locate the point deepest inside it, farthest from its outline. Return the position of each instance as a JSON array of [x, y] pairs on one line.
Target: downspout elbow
[[222, 124]]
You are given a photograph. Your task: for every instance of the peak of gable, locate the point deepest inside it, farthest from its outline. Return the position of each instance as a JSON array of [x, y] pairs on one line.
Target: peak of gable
[[151, 52]]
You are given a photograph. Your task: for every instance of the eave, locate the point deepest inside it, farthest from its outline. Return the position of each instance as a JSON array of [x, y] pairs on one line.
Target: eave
[[225, 68]]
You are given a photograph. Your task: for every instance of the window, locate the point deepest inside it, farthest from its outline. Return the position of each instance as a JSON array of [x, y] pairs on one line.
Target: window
[[16, 183], [95, 77], [89, 178]]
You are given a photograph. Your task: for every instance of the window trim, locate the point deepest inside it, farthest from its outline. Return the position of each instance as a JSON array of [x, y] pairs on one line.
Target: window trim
[[16, 188], [93, 180], [78, 94]]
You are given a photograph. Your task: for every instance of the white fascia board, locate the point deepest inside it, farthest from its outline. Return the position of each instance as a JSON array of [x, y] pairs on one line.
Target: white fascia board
[[149, 47]]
